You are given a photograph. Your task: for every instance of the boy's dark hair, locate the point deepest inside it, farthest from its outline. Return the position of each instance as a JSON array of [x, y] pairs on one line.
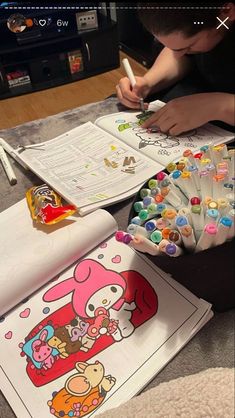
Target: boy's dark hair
[[164, 18]]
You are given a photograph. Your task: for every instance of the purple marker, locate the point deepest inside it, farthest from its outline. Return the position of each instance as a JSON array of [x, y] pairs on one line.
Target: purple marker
[[127, 239], [173, 250]]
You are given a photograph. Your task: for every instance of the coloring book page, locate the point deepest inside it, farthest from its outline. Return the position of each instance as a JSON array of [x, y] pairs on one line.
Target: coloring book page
[[95, 335], [32, 254], [89, 167], [159, 146]]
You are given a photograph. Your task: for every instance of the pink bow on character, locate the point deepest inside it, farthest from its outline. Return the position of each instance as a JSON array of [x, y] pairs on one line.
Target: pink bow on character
[[76, 407], [39, 345]]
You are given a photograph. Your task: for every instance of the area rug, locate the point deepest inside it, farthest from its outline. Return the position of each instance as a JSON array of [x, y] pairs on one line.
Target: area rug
[[208, 394]]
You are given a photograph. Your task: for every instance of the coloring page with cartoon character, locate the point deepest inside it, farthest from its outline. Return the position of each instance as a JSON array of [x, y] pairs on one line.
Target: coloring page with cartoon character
[[159, 146], [39, 252], [95, 335]]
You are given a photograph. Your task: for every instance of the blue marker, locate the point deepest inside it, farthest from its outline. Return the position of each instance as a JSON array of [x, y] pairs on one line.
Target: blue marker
[[181, 221], [161, 207], [211, 216], [136, 220], [150, 225], [147, 201]]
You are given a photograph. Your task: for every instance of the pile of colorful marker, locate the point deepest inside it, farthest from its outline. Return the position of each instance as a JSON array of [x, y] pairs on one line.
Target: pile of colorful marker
[[188, 210]]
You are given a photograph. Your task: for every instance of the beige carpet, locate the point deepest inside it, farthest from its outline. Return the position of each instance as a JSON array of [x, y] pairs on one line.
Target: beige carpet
[[209, 394]]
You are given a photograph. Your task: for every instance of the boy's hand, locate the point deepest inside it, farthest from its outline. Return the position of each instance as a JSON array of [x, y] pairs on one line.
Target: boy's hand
[[185, 113], [130, 97]]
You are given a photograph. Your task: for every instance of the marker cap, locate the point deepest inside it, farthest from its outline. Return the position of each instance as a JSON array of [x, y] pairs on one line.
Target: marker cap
[[187, 153], [174, 236], [176, 174], [195, 200], [152, 183], [205, 161], [222, 202], [150, 226], [192, 168], [169, 213], [143, 214], [211, 229], [213, 205], [152, 208], [171, 167], [198, 155], [161, 207], [158, 198], [226, 221], [119, 235], [186, 231], [171, 249], [218, 177], [166, 232], [196, 209], [181, 221], [127, 239], [185, 175], [165, 182], [181, 166], [212, 213], [204, 148], [156, 236], [160, 176]]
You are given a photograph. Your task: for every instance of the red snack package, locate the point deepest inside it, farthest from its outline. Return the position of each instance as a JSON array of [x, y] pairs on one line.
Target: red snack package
[[45, 205]]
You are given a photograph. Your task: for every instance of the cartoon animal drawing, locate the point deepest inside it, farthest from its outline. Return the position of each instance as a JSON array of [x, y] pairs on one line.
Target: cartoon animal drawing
[[62, 334], [83, 391], [102, 324], [159, 139], [42, 351], [55, 342], [114, 304], [77, 328], [93, 286]]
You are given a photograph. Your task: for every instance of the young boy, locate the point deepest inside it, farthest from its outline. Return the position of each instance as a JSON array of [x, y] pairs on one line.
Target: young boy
[[198, 59]]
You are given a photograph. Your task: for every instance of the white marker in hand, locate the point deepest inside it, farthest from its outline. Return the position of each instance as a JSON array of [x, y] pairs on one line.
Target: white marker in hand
[[132, 79]]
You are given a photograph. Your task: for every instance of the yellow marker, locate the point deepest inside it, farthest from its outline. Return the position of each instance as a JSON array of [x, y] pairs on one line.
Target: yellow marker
[[171, 167]]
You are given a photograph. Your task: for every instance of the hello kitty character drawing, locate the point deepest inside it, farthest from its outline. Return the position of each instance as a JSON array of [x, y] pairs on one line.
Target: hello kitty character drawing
[[94, 288]]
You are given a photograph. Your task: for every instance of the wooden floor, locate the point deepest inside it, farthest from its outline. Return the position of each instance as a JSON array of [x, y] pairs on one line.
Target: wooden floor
[[21, 109]]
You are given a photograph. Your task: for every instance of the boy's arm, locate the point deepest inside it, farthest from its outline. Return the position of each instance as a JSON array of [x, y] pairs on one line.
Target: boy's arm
[[226, 108], [189, 112], [167, 70]]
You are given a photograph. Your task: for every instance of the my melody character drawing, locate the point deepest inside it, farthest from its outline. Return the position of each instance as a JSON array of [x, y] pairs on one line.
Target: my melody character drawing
[[83, 392], [106, 307]]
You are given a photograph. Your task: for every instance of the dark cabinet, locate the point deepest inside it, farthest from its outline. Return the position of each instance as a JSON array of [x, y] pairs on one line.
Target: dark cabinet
[[101, 51], [36, 64]]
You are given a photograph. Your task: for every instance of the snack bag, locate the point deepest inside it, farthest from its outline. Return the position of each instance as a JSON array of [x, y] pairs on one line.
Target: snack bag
[[45, 205]]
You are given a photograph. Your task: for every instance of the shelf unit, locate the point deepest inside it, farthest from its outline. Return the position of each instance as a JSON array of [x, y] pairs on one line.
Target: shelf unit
[[42, 61]]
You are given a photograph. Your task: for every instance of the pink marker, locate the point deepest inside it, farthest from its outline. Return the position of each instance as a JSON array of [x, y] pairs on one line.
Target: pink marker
[[207, 238]]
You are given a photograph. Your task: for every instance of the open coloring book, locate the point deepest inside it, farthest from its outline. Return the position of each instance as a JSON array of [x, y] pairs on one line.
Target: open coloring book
[[104, 323], [95, 165]]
